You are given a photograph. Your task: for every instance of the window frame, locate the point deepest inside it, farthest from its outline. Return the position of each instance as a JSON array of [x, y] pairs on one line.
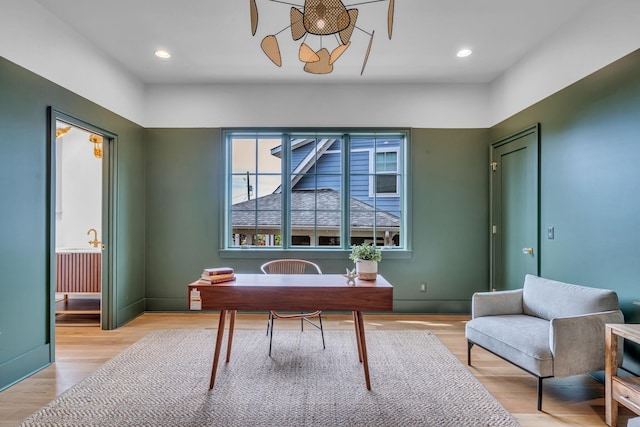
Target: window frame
[[227, 250]]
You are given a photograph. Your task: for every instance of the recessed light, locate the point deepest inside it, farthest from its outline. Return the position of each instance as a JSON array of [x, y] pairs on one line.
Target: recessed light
[[463, 52], [162, 54]]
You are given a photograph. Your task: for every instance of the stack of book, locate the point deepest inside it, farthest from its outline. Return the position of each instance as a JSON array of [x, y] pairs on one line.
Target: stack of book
[[217, 275]]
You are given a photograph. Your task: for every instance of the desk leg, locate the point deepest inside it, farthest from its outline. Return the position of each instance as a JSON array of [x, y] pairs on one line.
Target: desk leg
[[232, 322], [611, 369], [216, 353], [363, 347], [357, 326]]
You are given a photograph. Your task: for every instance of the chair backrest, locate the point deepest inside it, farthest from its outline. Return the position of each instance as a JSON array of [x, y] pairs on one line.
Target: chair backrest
[[288, 266], [548, 299]]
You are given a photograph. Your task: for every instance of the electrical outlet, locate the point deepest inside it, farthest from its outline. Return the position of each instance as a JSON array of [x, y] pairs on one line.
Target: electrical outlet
[[423, 287]]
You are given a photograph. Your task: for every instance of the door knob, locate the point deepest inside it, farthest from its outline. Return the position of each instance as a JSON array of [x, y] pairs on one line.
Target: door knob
[[527, 251]]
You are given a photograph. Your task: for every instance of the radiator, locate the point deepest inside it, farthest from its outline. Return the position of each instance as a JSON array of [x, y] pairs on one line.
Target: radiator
[[78, 272]]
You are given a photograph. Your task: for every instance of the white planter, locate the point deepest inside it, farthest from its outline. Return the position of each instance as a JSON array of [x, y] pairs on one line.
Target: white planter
[[367, 270]]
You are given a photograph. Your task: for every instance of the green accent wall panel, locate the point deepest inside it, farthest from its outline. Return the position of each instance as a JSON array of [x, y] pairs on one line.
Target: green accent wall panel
[[25, 364], [449, 209], [130, 228], [590, 181], [450, 213], [183, 206], [25, 305]]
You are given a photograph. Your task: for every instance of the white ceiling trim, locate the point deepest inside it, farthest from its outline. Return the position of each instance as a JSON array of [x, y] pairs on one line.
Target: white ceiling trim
[[283, 105]]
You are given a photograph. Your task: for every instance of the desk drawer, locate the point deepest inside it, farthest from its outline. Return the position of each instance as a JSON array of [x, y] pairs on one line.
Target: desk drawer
[[626, 390]]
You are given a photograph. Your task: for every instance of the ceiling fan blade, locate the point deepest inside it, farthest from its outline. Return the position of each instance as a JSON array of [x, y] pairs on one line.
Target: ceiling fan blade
[[335, 54], [306, 54], [254, 16], [271, 48], [322, 66], [366, 58], [297, 24], [390, 18]]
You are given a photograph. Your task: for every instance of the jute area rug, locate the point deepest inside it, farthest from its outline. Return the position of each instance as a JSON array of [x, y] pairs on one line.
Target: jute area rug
[[163, 380]]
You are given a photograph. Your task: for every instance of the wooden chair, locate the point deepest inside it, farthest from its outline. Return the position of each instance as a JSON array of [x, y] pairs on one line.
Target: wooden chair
[[291, 266]]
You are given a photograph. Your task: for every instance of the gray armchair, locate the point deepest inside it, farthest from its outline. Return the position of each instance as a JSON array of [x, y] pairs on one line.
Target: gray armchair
[[547, 328]]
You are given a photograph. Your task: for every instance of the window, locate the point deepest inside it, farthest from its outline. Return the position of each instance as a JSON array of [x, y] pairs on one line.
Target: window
[[385, 179], [315, 190], [254, 196]]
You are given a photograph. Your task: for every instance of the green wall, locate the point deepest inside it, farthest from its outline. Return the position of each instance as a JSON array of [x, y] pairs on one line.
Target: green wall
[[26, 344], [184, 171], [449, 211], [590, 182], [168, 216]]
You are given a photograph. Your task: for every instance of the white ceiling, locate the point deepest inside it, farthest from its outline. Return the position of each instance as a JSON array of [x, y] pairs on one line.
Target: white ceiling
[[211, 41]]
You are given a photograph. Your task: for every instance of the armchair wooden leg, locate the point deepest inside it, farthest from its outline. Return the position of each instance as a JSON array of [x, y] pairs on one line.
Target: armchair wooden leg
[[469, 345]]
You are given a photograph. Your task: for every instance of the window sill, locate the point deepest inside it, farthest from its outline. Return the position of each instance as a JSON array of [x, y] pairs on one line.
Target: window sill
[[270, 253]]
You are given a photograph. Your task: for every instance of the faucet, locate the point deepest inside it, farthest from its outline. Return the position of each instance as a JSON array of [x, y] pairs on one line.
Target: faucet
[[95, 242]]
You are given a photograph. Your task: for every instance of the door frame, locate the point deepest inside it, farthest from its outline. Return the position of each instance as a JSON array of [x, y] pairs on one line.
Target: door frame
[[109, 209], [533, 129]]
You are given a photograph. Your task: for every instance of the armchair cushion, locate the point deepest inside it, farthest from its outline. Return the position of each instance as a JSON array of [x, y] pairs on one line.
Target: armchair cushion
[[548, 299], [520, 339]]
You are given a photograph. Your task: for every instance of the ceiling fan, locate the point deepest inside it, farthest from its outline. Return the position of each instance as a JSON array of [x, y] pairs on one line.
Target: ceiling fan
[[323, 18]]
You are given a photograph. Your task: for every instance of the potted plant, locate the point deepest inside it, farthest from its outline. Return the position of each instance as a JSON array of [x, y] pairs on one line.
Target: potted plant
[[366, 257]]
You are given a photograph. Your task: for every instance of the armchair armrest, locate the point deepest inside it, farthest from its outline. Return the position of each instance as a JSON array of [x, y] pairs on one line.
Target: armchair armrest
[[578, 342], [496, 303]]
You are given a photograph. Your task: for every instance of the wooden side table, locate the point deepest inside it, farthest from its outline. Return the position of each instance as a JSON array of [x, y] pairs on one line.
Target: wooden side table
[[619, 390]]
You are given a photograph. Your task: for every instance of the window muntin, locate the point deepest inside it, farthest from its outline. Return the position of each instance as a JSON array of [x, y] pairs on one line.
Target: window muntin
[[291, 190]]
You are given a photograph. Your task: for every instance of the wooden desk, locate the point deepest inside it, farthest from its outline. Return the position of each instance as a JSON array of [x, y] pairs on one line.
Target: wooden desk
[[327, 292], [624, 390]]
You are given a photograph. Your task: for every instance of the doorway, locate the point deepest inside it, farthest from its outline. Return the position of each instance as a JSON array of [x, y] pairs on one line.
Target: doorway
[[81, 182], [514, 209], [78, 225]]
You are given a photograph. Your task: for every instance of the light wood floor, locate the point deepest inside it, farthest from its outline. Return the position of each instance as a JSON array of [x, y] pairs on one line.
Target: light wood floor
[[80, 350]]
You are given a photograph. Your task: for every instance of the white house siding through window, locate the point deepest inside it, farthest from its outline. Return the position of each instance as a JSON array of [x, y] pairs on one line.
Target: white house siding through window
[[310, 210]]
